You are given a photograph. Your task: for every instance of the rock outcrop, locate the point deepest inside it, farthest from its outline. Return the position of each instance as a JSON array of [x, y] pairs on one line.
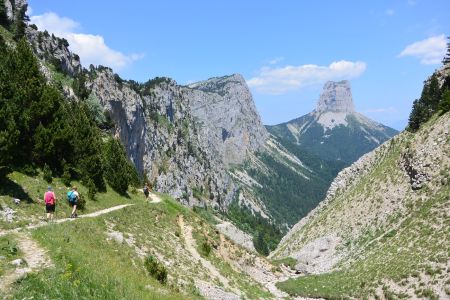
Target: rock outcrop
[[162, 138], [228, 117], [184, 138], [334, 130], [337, 97], [13, 6], [54, 51]]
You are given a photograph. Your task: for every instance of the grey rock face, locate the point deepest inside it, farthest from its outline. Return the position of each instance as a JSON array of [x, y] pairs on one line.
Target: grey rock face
[[318, 256], [172, 135], [416, 170], [334, 130], [337, 97], [54, 50], [236, 235], [224, 106], [12, 6]]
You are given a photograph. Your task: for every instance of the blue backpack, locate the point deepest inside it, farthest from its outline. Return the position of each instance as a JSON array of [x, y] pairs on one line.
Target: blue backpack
[[71, 197]]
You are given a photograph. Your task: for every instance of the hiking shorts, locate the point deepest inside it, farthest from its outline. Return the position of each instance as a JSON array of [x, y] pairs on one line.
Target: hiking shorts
[[71, 204], [50, 208]]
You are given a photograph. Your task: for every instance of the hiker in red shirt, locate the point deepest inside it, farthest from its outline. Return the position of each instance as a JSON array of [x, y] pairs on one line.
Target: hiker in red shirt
[[50, 203]]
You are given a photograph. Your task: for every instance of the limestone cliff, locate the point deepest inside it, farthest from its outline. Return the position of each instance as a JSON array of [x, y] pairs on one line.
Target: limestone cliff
[[336, 96], [162, 138], [228, 117], [53, 51]]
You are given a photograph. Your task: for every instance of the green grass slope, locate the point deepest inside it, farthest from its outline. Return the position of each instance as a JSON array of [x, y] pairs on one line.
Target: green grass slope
[[104, 257], [392, 237]]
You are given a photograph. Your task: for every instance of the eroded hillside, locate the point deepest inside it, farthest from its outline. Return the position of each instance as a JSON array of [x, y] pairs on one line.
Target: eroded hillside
[[383, 227]]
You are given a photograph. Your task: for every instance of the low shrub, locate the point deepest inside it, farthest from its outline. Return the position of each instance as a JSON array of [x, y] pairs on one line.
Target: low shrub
[[66, 176], [206, 248], [47, 174], [92, 190], [156, 269]]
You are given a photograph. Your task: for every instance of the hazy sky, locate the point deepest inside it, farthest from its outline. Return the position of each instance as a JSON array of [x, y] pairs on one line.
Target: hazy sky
[[286, 50]]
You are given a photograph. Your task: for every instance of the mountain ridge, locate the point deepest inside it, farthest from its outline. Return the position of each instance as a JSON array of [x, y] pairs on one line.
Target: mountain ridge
[[334, 130]]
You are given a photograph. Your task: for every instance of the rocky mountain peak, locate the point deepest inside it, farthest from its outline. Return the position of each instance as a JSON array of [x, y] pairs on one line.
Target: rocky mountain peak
[[225, 107], [336, 97], [220, 85]]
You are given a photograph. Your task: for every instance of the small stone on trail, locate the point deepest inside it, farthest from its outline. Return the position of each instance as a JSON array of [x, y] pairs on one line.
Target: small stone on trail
[[116, 236], [17, 262]]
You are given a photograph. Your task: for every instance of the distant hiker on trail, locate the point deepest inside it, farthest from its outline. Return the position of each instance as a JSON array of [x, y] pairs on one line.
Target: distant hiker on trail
[[146, 191], [73, 198], [50, 203]]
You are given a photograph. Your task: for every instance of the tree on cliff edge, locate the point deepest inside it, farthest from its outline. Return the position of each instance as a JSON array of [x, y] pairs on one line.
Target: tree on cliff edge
[[446, 60]]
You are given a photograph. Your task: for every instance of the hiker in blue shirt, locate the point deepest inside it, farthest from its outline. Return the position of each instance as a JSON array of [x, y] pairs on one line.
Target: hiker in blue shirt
[[73, 196]]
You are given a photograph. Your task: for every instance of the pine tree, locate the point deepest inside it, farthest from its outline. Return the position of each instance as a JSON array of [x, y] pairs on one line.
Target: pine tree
[[19, 22], [444, 106], [446, 60], [86, 143], [260, 244], [431, 95], [417, 115], [116, 166], [427, 105]]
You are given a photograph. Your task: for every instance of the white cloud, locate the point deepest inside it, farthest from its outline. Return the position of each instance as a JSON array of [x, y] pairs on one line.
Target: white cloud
[[92, 49], [390, 12], [54, 23], [430, 51], [272, 80]]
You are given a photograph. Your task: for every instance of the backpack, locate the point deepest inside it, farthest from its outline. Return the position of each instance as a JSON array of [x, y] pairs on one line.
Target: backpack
[[145, 190], [71, 197], [49, 198]]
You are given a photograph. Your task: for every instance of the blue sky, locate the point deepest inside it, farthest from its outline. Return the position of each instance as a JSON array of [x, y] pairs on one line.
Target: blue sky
[[286, 50]]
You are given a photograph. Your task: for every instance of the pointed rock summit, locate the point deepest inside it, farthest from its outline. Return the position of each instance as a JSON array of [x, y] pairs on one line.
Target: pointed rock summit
[[334, 131], [337, 97]]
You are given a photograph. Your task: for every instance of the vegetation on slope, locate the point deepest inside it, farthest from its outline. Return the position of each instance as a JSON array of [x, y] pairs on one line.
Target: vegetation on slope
[[287, 190], [266, 236], [90, 262], [40, 129], [433, 98], [400, 249], [287, 195], [335, 147], [388, 262], [408, 251]]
